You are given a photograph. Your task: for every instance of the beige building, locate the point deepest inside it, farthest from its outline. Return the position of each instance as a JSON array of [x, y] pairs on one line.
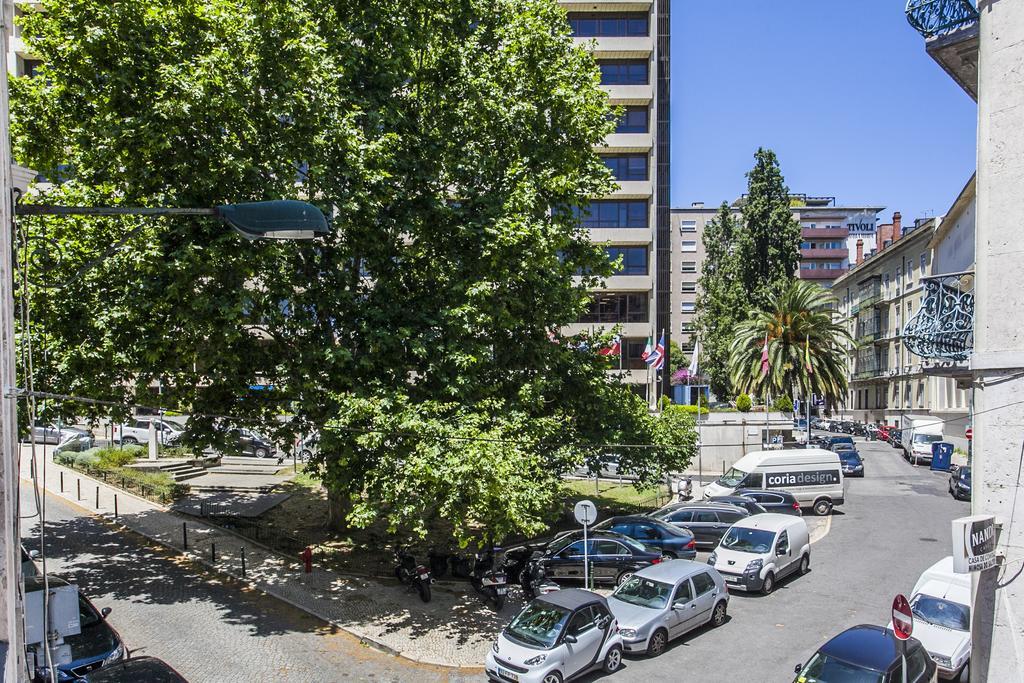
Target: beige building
[[630, 43]]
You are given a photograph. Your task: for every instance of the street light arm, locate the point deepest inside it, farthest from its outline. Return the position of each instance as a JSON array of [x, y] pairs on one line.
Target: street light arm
[[51, 210]]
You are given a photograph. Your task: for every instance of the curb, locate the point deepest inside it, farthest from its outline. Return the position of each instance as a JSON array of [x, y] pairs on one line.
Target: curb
[[197, 559]]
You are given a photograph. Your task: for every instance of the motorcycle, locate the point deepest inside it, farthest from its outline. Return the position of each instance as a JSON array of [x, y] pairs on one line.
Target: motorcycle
[[486, 580], [415, 576], [534, 579]]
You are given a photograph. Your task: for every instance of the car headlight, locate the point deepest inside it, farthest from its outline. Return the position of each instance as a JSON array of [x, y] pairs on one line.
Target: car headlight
[[627, 632], [116, 656], [712, 558], [754, 567], [494, 646], [534, 661], [943, 661]]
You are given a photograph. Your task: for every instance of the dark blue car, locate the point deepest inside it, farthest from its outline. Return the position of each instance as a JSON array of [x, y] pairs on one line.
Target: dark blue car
[[960, 483], [851, 463], [613, 557], [870, 654], [674, 542]]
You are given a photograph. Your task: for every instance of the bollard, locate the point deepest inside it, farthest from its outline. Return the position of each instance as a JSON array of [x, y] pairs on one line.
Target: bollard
[[97, 497], [115, 506], [243, 560], [213, 553], [78, 486], [184, 535], [307, 559], [62, 482]]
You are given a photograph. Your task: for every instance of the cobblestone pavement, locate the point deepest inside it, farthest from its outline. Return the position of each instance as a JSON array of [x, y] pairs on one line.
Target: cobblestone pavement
[[209, 629]]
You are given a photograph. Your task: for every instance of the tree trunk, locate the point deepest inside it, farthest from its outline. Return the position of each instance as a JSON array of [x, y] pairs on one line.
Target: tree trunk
[[339, 504]]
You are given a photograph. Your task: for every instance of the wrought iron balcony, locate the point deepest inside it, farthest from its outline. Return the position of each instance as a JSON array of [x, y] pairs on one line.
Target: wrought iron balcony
[[944, 325], [936, 17]]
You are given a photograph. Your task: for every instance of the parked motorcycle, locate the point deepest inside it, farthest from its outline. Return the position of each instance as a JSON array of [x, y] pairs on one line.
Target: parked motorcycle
[[415, 576], [489, 582], [534, 578]]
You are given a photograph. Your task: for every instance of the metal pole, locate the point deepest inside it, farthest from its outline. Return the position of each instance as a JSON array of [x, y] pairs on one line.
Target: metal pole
[[97, 496], [78, 489], [184, 535], [700, 444], [115, 506], [586, 559], [243, 560], [213, 553], [62, 481]]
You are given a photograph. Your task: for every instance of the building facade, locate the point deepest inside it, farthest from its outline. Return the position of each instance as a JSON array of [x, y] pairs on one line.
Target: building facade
[[630, 43], [687, 258]]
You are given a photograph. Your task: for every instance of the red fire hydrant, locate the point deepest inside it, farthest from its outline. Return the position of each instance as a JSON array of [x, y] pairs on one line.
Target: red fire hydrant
[[307, 559]]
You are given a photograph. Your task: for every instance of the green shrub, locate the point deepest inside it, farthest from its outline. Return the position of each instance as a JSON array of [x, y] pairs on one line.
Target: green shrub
[[783, 404], [87, 458], [177, 452], [743, 403], [688, 409], [116, 457]]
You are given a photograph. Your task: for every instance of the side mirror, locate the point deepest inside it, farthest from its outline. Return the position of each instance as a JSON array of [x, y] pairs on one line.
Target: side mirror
[[678, 605], [798, 668], [104, 612], [33, 554], [602, 623], [570, 638]]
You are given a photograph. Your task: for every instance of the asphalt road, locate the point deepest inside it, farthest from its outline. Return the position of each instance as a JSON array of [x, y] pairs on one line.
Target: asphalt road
[[207, 629], [895, 523]]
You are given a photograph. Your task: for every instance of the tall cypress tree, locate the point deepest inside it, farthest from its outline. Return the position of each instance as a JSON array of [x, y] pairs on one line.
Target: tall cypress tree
[[721, 300]]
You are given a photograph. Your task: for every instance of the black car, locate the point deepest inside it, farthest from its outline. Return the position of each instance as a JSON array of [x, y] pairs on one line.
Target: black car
[[831, 441], [896, 438], [707, 521], [850, 461], [747, 503], [868, 653], [148, 669], [781, 502], [613, 557], [251, 443], [818, 441], [960, 483], [858, 429], [673, 542]]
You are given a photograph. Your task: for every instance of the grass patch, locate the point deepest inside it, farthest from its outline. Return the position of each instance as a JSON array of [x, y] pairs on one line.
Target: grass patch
[[613, 498], [110, 465]]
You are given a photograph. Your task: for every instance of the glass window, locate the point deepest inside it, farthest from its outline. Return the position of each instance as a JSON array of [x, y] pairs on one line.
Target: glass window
[[632, 358], [644, 592], [618, 308], [683, 592], [682, 516], [597, 25], [917, 662], [754, 480], [702, 583], [688, 226], [581, 622], [634, 259], [624, 72], [688, 287], [606, 547], [825, 668], [634, 120], [689, 267], [686, 328], [576, 549], [689, 245], [924, 261], [538, 625], [688, 307], [729, 517], [610, 213], [627, 166], [705, 516]]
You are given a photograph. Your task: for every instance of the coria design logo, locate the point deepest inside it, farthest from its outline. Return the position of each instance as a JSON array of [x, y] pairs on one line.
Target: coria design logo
[[812, 478]]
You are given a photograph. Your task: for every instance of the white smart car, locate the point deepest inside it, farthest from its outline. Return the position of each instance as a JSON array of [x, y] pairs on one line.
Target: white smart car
[[557, 637]]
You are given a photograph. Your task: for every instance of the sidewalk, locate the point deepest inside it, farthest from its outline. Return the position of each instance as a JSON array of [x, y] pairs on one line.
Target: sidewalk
[[454, 629]]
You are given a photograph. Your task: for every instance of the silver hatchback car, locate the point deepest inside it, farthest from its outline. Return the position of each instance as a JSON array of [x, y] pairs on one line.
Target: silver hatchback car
[[666, 600]]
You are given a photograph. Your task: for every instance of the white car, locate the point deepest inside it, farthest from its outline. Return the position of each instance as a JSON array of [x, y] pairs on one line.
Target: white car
[[555, 638], [941, 603], [760, 550], [137, 431]]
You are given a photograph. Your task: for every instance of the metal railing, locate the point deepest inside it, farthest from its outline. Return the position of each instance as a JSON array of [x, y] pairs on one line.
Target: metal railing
[[935, 17], [944, 325]]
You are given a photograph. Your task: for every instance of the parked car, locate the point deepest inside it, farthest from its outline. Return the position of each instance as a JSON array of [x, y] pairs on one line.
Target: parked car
[[556, 637], [665, 601], [867, 653], [960, 483], [613, 557], [75, 443], [840, 446], [761, 550], [148, 669], [851, 461], [941, 604], [831, 441], [781, 502], [28, 564], [884, 432], [607, 466], [818, 441], [707, 521], [748, 504], [251, 443], [858, 429], [672, 541], [920, 433], [97, 645], [51, 434], [896, 438], [137, 431], [823, 424]]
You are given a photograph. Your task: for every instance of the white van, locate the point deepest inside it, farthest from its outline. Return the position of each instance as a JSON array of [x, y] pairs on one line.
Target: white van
[[941, 603], [919, 433], [758, 551], [813, 475]]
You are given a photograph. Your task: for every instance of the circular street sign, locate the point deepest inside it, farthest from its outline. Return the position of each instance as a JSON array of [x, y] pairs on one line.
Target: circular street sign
[[902, 618], [969, 433], [586, 512]]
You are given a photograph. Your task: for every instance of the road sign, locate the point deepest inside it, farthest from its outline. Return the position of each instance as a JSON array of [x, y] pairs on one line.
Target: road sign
[[969, 433], [586, 512], [902, 618]]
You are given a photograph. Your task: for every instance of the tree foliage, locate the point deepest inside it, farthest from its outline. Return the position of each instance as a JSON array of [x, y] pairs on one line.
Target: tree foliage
[[720, 301], [446, 141]]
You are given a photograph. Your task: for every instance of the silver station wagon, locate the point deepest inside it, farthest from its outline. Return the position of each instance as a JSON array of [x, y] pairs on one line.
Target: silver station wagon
[[666, 600]]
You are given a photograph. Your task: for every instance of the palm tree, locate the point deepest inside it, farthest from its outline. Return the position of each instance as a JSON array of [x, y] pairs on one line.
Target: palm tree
[[799, 330]]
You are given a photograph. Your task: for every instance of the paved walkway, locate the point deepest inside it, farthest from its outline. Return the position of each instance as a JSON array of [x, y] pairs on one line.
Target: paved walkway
[[454, 629]]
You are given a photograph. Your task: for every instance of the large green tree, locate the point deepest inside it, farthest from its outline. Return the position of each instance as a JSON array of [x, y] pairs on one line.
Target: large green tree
[[720, 298], [448, 142], [769, 245]]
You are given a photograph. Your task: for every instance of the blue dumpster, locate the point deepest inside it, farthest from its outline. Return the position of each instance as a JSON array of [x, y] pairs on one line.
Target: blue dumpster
[[942, 455]]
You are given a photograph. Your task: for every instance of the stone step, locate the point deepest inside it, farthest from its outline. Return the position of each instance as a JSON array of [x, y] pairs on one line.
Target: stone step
[[190, 473]]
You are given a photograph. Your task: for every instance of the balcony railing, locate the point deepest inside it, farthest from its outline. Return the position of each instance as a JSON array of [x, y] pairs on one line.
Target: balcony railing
[[935, 17], [871, 371], [944, 325]]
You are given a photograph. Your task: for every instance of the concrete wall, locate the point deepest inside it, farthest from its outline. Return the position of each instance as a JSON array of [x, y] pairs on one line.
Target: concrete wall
[[727, 437]]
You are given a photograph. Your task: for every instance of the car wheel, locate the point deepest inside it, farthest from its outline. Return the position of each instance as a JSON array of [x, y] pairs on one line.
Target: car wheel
[[306, 454], [623, 577], [553, 677], [613, 660], [669, 556], [965, 673], [129, 441], [822, 507], [805, 564], [656, 645], [769, 584], [261, 452], [718, 616]]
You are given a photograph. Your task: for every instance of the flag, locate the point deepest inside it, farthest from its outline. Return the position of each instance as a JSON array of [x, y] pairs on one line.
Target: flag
[[659, 354], [615, 349], [764, 356], [807, 355], [692, 370], [647, 351]]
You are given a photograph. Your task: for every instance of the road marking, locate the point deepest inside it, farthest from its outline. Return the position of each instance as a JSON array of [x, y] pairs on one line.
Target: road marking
[[823, 529]]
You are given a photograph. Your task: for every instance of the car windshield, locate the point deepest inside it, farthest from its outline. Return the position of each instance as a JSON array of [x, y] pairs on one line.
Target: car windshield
[[927, 438], [538, 625], [644, 592], [849, 456], [825, 669], [965, 474], [748, 540], [941, 612], [732, 478]]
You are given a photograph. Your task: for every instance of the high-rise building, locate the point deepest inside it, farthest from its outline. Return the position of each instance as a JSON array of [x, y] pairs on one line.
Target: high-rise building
[[630, 41]]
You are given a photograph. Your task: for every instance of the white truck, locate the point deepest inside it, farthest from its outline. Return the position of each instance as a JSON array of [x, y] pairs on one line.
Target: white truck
[[919, 433]]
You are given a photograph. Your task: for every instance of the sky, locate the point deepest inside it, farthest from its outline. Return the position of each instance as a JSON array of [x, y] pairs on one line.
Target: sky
[[843, 92]]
